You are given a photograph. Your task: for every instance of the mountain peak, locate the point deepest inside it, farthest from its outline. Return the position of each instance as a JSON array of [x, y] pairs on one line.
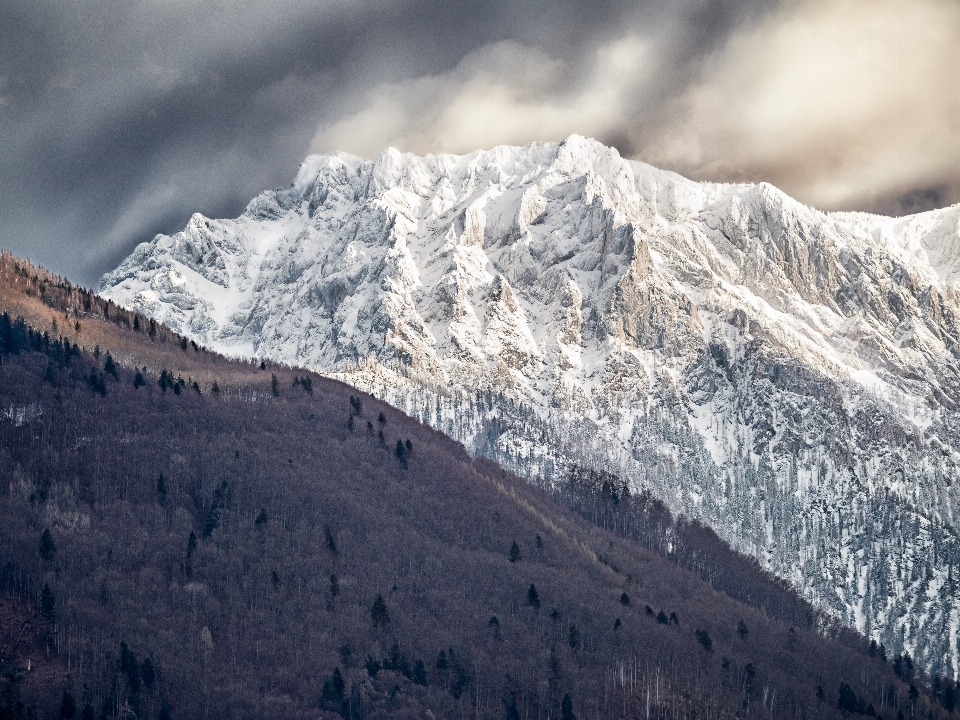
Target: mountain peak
[[723, 346]]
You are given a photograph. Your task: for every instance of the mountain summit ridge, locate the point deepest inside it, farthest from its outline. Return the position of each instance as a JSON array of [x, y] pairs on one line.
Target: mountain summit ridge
[[787, 375]]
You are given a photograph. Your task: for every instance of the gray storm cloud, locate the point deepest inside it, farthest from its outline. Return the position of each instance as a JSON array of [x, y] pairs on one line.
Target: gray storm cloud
[[845, 105], [121, 119]]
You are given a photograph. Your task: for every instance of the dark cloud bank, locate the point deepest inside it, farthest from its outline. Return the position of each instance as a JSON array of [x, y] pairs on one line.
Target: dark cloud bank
[[120, 119]]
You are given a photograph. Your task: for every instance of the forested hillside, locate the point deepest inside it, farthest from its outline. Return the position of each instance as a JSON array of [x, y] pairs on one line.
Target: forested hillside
[[183, 536], [788, 377]]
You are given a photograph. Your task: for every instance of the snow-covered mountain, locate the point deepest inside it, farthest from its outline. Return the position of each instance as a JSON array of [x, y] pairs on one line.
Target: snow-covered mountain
[[788, 376]]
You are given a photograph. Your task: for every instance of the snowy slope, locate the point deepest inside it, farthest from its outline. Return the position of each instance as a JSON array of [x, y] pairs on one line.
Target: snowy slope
[[788, 376]]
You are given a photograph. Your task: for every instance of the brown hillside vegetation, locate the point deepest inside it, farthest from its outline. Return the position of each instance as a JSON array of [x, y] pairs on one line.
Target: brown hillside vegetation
[[52, 305], [290, 548]]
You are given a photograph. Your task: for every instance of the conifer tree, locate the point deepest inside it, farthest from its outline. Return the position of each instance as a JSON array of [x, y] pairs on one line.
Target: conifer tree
[[48, 605], [47, 547], [743, 631], [110, 368], [533, 597], [379, 613], [191, 548], [161, 490], [147, 673], [331, 541], [68, 706], [419, 673]]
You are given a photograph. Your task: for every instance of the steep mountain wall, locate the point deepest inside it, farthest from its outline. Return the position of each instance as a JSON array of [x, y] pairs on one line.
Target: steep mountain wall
[[788, 376]]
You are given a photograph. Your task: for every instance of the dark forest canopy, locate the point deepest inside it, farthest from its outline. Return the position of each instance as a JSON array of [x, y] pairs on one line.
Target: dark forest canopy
[[186, 536]]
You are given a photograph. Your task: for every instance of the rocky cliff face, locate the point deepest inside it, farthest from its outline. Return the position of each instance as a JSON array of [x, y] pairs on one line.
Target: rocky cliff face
[[789, 376]]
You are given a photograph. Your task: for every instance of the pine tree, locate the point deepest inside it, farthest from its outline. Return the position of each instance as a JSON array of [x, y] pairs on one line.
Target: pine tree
[[566, 709], [419, 673], [68, 706], [514, 552], [48, 549], [333, 695], [161, 490], [110, 368], [331, 541], [379, 613], [147, 673], [191, 548], [138, 380], [743, 631], [513, 713], [48, 605], [533, 597]]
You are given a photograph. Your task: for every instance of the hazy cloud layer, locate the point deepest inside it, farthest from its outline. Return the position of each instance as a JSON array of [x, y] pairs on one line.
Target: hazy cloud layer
[[844, 104], [120, 118]]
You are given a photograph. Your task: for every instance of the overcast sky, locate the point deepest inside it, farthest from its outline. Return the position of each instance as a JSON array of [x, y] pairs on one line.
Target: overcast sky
[[120, 118]]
